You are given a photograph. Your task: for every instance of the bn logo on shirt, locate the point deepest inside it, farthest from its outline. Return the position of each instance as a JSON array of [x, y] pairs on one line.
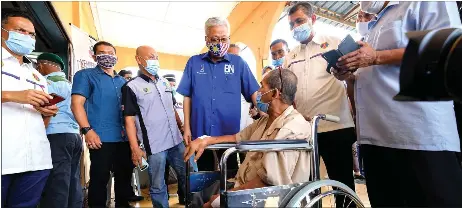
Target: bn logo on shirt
[[229, 69]]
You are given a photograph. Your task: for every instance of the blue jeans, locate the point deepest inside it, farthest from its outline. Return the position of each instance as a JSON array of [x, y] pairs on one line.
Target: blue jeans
[[23, 189], [156, 170]]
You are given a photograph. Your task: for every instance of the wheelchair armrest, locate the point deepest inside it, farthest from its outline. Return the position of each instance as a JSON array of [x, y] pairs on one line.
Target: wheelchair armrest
[[220, 146], [274, 145]]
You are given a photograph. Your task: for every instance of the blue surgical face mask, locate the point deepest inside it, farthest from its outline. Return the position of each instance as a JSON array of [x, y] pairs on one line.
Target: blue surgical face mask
[[302, 32], [278, 62], [152, 66], [261, 106], [20, 44]]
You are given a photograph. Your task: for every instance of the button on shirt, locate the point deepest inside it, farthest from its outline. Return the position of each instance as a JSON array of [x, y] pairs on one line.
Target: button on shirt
[[64, 121], [317, 90], [152, 104], [25, 146], [103, 104], [384, 122], [276, 168], [215, 90]]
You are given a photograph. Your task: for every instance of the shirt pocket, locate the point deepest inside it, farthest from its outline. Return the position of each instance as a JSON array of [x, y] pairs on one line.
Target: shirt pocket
[[231, 84], [391, 35]]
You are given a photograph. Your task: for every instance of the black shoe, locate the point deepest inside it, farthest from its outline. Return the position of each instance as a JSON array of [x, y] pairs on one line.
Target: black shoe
[[360, 177], [124, 205], [135, 198]]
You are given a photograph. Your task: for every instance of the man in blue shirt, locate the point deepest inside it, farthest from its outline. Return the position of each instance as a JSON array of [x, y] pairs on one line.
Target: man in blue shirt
[[212, 85], [96, 104], [63, 187]]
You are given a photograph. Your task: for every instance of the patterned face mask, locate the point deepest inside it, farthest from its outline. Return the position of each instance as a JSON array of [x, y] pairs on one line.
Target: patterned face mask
[[106, 61], [218, 49]]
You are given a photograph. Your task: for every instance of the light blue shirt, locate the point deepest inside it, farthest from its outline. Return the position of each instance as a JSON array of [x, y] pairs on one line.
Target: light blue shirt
[[429, 126], [64, 121]]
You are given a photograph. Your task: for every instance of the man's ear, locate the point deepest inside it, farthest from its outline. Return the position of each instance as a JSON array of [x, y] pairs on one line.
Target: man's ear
[[313, 18], [94, 58]]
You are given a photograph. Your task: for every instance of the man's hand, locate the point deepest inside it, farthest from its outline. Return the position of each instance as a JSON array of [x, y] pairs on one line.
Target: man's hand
[[342, 75], [363, 57], [253, 112], [35, 98], [197, 146], [92, 140], [137, 154], [187, 136], [209, 203], [51, 110]]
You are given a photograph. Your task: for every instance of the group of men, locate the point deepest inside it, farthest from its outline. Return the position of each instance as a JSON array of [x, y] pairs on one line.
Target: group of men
[[128, 122]]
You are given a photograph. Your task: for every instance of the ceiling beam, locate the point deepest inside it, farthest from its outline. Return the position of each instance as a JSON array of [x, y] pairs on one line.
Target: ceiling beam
[[352, 11], [332, 16]]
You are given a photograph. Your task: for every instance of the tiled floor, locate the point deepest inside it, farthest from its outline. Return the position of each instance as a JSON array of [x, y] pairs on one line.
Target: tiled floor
[[360, 190]]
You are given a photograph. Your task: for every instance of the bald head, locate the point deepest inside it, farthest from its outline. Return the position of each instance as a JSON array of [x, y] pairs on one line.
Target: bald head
[[144, 53]]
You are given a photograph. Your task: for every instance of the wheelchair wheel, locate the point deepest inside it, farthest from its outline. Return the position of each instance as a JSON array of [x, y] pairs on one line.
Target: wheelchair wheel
[[324, 193]]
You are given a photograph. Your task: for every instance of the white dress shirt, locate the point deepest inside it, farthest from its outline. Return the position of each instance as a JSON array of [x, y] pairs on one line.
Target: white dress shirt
[[317, 90], [25, 146], [384, 122]]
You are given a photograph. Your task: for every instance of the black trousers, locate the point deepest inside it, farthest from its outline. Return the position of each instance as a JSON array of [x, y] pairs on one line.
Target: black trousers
[[115, 156], [335, 150], [458, 112], [207, 162], [63, 188], [412, 178]]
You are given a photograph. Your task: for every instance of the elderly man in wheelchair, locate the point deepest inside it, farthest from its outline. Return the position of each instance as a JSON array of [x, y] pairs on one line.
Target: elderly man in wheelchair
[[275, 97], [287, 166]]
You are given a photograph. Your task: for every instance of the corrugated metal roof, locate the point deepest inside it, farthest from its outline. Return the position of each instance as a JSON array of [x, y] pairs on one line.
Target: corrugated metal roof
[[341, 14]]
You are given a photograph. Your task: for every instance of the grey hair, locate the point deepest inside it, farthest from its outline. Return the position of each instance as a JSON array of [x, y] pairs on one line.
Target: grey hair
[[216, 21], [289, 84]]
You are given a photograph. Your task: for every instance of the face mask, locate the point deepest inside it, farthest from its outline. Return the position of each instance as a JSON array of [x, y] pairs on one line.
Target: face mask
[[362, 28], [302, 32], [20, 44], [278, 62], [371, 7], [218, 49], [106, 61], [261, 106], [152, 67]]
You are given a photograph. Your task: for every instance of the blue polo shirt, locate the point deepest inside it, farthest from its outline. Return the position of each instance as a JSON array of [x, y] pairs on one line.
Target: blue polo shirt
[[215, 90], [103, 104]]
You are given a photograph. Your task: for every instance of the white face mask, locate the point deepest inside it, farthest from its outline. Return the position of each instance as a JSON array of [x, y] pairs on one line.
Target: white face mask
[[362, 28], [371, 7]]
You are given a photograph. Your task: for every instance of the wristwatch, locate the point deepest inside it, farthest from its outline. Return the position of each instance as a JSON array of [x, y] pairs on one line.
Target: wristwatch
[[85, 130]]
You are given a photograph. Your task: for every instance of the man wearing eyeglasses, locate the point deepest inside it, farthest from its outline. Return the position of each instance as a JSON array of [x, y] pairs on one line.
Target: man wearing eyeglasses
[[321, 92], [212, 85]]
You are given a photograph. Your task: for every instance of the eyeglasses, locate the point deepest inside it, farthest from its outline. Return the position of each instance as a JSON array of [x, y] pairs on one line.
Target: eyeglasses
[[219, 40]]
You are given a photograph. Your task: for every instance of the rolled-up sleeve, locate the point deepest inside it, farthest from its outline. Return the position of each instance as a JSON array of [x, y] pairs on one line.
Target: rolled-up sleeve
[[185, 87], [81, 84], [277, 168], [246, 133], [249, 84]]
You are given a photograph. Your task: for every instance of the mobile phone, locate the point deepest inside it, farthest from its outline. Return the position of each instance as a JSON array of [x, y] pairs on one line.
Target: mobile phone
[[56, 99], [144, 164]]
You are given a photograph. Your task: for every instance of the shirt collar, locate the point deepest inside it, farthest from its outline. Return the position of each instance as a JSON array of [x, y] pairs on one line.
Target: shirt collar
[[380, 15], [207, 56], [55, 74], [6, 54], [101, 71], [317, 39], [147, 79], [278, 123]]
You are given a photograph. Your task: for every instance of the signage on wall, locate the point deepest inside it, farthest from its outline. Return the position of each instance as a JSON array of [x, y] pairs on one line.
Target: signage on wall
[[83, 50]]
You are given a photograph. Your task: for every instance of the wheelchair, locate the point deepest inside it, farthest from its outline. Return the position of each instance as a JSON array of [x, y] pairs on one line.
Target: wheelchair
[[315, 193]]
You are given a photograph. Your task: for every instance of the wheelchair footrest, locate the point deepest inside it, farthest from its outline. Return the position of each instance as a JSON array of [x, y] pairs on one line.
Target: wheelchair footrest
[[262, 197]]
